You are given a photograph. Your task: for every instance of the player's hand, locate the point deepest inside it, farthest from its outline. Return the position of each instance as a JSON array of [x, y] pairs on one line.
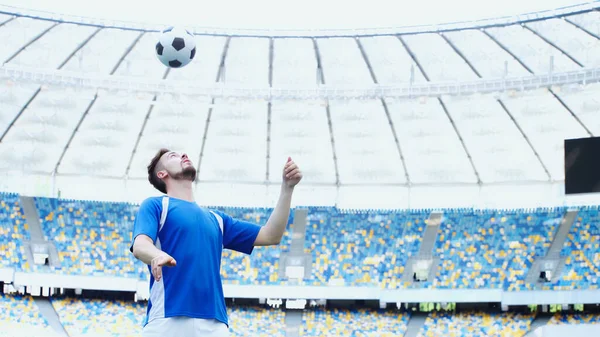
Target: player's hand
[[291, 173], [158, 262]]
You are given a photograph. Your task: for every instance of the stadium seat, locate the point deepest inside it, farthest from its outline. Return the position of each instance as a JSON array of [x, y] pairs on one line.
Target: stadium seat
[[13, 230], [255, 321], [100, 318], [475, 324], [353, 323], [361, 248], [492, 248], [21, 317], [582, 249]]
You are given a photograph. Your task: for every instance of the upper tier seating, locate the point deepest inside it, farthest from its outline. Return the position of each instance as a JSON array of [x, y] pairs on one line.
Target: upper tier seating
[[361, 248], [21, 317], [492, 248], [13, 230], [582, 249]]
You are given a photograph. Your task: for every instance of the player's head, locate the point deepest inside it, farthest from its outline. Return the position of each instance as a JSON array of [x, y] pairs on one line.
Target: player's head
[[168, 165]]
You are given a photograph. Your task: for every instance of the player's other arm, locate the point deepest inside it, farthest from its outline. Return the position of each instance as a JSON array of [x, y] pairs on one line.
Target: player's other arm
[[272, 232], [145, 232]]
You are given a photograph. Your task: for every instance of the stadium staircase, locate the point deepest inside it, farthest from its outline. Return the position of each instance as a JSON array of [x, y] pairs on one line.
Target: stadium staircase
[[415, 323], [552, 261], [38, 243], [47, 310], [538, 322], [425, 254], [296, 258], [293, 323]]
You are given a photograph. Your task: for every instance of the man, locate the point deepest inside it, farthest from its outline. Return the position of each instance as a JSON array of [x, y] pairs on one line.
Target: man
[[186, 297]]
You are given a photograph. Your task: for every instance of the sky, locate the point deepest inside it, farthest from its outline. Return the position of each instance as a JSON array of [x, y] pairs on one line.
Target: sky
[[286, 14]]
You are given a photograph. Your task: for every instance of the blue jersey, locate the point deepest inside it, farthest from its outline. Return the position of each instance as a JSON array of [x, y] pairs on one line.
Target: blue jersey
[[193, 237]]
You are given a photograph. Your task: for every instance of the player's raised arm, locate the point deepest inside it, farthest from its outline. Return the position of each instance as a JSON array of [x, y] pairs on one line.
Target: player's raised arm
[[272, 232]]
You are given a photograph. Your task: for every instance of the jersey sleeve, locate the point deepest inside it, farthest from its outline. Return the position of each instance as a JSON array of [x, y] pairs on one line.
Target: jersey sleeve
[[147, 220], [239, 235]]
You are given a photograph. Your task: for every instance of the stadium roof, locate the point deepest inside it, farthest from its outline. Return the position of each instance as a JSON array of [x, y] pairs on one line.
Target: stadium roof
[[462, 108]]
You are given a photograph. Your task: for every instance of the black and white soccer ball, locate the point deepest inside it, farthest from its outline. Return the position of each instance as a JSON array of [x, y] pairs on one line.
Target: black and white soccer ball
[[176, 47]]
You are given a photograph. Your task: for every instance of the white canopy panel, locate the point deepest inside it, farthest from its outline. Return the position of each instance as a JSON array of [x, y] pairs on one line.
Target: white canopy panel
[[141, 61], [437, 58], [342, 62], [236, 142], [499, 150], [54, 47], [95, 57], [16, 33], [589, 21], [364, 143], [578, 44], [247, 61], [489, 59], [39, 135], [430, 146], [547, 124], [294, 63], [584, 102], [536, 54], [177, 126], [106, 138], [300, 130], [390, 61]]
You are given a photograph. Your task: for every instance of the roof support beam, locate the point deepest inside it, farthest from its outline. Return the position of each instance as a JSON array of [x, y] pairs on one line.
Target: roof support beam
[[321, 80], [219, 78], [93, 101], [462, 141]]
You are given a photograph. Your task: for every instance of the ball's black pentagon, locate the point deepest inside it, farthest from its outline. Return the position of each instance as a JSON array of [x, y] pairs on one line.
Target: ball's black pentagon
[[159, 48], [193, 53], [175, 64], [178, 43], [168, 29]]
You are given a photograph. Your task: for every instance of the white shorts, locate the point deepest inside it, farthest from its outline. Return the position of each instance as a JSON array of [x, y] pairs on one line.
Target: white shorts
[[185, 327]]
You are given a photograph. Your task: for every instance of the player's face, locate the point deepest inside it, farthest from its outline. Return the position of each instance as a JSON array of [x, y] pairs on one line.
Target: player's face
[[179, 166]]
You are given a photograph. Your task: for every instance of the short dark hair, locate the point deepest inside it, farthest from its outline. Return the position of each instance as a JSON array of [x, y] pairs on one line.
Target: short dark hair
[[152, 169]]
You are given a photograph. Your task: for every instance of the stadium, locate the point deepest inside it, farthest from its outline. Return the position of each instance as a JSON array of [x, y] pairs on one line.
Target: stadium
[[433, 201]]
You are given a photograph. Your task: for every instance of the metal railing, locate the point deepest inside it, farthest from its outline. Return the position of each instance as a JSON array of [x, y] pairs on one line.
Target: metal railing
[[111, 83], [200, 30]]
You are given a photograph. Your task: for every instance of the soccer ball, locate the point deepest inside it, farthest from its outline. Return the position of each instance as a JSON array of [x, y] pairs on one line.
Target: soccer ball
[[176, 47]]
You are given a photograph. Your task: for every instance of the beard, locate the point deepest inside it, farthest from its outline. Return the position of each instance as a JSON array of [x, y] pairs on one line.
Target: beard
[[188, 173]]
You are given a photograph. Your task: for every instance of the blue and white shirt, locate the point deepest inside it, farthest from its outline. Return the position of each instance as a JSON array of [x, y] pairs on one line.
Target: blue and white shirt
[[195, 238]]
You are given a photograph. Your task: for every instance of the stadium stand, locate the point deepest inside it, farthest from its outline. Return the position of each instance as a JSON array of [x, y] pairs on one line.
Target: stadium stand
[[579, 318], [101, 318], [92, 238], [353, 323], [262, 267], [256, 321], [582, 249], [13, 230], [476, 324], [21, 317], [492, 248], [361, 248]]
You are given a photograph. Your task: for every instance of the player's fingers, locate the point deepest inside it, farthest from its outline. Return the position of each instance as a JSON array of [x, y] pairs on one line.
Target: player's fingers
[[172, 263], [292, 173], [290, 168]]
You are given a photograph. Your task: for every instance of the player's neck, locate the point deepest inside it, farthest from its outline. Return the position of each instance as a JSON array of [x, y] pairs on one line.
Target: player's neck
[[181, 189]]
